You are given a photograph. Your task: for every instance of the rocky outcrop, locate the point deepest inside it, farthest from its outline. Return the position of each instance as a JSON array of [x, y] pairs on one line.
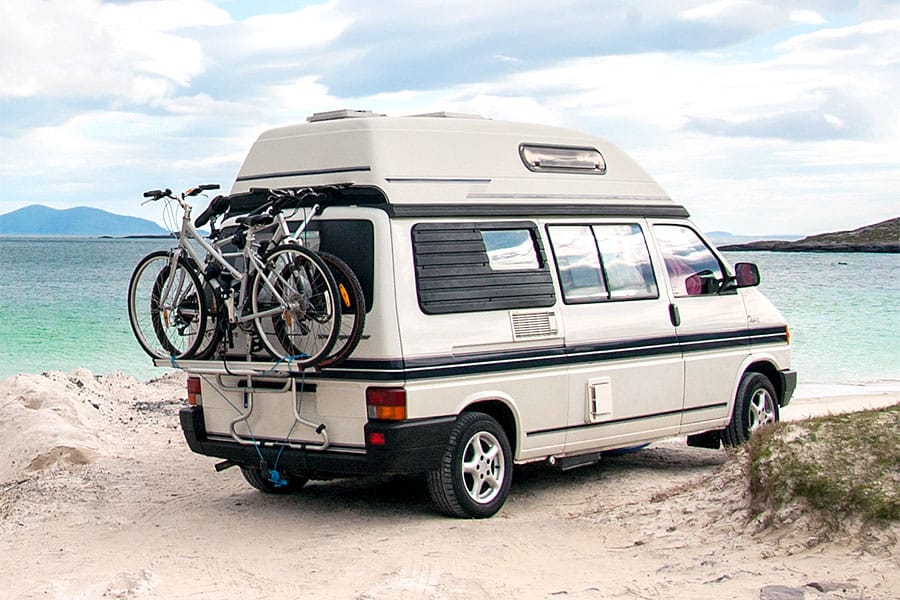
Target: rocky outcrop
[[880, 237]]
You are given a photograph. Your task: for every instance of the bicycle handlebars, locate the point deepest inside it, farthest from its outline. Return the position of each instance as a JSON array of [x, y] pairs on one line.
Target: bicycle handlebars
[[167, 193], [157, 194], [201, 188]]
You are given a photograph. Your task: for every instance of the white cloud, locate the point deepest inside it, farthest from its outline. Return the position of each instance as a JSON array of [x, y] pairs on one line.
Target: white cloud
[[310, 26], [869, 44], [162, 15], [88, 49], [730, 11], [807, 17]]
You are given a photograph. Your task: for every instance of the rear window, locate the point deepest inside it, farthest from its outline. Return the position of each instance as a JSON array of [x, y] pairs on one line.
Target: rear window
[[353, 241]]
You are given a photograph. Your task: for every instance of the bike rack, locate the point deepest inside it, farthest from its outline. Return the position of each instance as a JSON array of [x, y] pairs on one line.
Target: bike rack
[[249, 390], [233, 367], [251, 370]]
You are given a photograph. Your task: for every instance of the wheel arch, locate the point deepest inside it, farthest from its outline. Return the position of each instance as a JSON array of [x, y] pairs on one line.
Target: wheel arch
[[500, 407], [770, 371]]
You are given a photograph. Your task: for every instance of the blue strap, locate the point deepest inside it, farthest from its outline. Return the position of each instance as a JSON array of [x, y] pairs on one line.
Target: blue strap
[[276, 479]]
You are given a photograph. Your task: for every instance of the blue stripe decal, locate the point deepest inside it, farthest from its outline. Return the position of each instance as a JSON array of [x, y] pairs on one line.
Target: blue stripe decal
[[517, 360]]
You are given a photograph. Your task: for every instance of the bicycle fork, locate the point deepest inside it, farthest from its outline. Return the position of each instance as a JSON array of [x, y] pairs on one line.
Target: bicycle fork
[[172, 309]]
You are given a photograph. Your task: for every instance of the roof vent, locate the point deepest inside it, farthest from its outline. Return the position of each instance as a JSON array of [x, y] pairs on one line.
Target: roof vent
[[449, 115], [344, 113]]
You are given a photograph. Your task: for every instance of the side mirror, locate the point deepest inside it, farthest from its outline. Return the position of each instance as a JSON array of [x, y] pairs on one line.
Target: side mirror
[[746, 274]]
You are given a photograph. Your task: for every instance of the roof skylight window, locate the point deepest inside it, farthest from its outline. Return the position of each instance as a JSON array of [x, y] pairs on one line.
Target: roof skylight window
[[562, 159]]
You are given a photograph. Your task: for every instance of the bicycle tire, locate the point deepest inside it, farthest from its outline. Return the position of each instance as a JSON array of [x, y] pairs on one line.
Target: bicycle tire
[[170, 327], [307, 330], [216, 322], [353, 310]]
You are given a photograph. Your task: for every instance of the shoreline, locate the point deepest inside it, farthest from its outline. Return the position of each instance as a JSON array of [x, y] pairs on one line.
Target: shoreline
[[808, 390]]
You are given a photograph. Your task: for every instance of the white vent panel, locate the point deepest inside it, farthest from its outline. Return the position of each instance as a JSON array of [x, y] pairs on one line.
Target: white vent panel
[[532, 325]]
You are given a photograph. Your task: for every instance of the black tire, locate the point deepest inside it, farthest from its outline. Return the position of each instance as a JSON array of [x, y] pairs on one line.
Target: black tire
[[755, 405], [479, 489], [308, 329], [352, 302], [263, 483], [216, 322], [173, 326]]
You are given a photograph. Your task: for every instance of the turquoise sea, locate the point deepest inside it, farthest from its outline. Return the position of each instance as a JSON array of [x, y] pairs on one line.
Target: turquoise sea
[[62, 306]]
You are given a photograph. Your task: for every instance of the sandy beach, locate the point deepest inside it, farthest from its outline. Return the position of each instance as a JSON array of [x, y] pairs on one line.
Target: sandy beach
[[101, 498]]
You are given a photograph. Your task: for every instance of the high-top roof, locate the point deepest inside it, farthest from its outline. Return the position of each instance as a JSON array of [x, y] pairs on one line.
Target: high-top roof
[[448, 158]]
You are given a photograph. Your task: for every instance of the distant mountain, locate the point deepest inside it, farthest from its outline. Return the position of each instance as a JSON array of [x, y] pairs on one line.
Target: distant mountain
[[80, 221], [880, 237]]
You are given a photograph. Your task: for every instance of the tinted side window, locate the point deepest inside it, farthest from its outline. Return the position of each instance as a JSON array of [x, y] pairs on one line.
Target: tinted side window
[[603, 262], [578, 263], [510, 249], [467, 267], [692, 267], [626, 261]]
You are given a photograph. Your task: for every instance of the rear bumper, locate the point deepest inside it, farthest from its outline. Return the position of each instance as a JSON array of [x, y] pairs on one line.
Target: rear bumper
[[788, 385], [409, 447]]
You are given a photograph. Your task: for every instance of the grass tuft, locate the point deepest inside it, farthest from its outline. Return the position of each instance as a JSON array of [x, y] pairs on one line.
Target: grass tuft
[[842, 465]]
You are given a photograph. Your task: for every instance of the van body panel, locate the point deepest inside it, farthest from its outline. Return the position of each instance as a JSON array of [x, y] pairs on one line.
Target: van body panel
[[337, 404], [645, 393], [529, 394]]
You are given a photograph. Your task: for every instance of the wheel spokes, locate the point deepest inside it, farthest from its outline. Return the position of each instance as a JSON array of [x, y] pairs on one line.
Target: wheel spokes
[[762, 410], [483, 467]]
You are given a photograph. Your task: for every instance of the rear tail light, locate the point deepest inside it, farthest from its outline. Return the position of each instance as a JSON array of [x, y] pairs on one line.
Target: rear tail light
[[193, 391], [386, 403]]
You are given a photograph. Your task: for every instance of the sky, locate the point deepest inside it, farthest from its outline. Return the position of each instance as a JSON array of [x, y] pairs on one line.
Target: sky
[[761, 117]]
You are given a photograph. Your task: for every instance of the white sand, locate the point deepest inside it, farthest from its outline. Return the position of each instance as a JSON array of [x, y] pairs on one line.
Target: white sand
[[101, 498]]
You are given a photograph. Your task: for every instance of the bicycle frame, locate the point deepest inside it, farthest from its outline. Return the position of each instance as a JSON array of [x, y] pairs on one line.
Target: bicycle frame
[[253, 262]]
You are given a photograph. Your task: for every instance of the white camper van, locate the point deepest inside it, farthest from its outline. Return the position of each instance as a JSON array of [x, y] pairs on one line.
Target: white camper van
[[531, 295]]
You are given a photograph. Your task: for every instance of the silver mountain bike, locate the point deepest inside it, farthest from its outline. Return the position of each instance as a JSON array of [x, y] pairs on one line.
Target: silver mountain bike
[[177, 307]]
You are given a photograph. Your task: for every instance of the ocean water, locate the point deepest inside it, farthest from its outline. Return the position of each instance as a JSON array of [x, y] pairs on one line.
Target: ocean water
[[843, 311], [62, 306]]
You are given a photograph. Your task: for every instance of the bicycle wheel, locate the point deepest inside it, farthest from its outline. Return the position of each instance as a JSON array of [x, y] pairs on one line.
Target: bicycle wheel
[[294, 294], [167, 309], [352, 304], [216, 322]]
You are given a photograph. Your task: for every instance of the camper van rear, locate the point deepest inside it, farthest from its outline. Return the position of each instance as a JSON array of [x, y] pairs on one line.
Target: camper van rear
[[530, 294]]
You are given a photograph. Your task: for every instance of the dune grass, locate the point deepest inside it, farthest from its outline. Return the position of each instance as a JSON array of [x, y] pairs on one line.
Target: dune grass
[[842, 465]]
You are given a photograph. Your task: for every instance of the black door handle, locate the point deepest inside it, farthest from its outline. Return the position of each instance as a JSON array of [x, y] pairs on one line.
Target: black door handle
[[674, 315]]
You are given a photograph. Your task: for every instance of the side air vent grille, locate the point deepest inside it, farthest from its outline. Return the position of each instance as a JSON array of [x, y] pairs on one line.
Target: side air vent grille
[[533, 325]]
